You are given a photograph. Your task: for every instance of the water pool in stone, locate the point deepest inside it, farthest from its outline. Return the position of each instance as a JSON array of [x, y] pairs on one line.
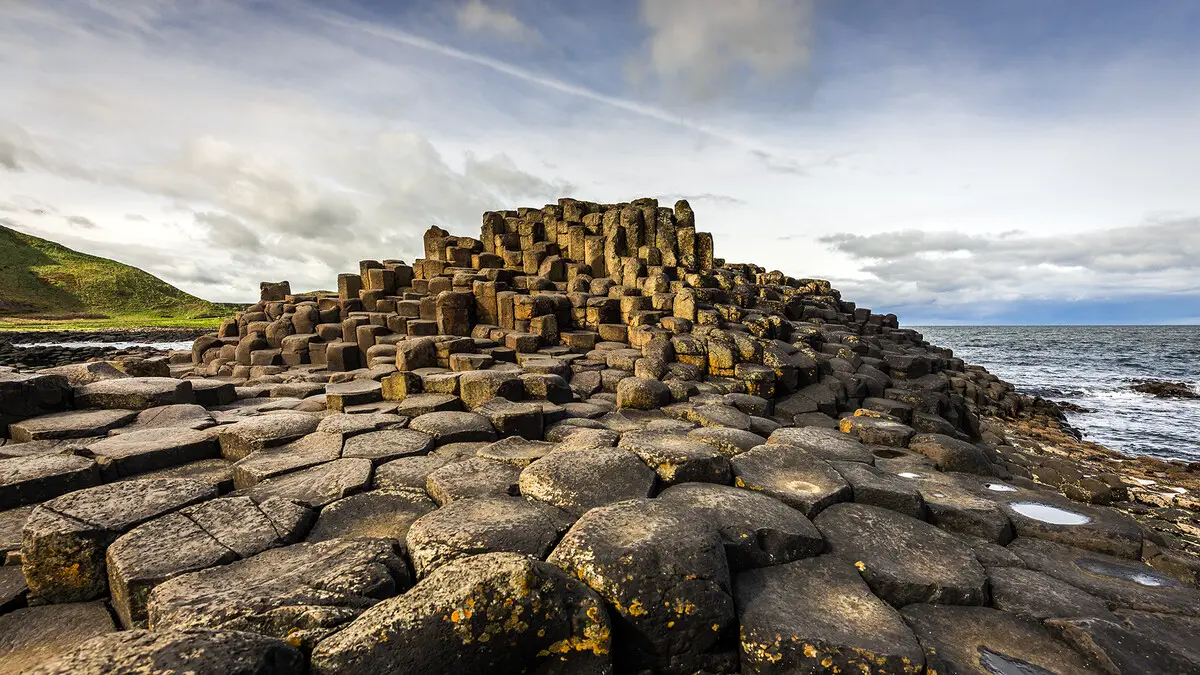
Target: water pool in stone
[[1001, 487], [1002, 664], [1049, 514], [1142, 578], [909, 474]]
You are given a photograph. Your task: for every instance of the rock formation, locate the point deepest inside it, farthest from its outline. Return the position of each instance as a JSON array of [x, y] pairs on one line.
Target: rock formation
[[579, 443]]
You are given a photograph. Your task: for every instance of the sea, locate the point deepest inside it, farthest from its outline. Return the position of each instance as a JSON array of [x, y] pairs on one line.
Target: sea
[[1094, 367]]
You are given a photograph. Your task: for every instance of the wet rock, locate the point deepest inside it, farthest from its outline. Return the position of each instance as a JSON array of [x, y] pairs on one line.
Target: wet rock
[[663, 574], [471, 526], [311, 450], [880, 488], [34, 635], [299, 593], [33, 479], [134, 393], [1050, 517], [240, 439], [197, 652], [817, 615], [957, 507], [1119, 582], [982, 640], [64, 541], [1135, 642], [1037, 596], [828, 444], [791, 475], [387, 445], [454, 427], [577, 481], [72, 424], [677, 459], [1163, 389], [757, 530], [317, 486], [195, 538], [902, 559], [951, 454], [380, 514], [496, 613], [477, 477], [147, 450]]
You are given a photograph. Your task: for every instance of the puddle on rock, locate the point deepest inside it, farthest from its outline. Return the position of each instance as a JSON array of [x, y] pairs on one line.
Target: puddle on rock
[[909, 474], [1127, 573], [1049, 514], [1000, 487], [1002, 664]]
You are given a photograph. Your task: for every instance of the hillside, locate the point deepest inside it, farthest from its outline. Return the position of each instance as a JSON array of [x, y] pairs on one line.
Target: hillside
[[41, 280]]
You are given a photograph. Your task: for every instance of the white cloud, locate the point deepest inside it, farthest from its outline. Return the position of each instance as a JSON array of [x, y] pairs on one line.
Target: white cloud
[[703, 47], [476, 16]]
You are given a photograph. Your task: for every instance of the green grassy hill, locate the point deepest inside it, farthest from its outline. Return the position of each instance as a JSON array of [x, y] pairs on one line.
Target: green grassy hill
[[44, 282]]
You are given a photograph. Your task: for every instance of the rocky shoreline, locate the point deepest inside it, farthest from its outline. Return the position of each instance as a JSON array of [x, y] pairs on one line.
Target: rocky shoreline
[[577, 444], [14, 352]]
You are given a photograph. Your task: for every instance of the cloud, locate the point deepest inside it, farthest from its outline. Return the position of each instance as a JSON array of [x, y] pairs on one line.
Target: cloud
[[81, 221], [229, 233], [947, 269], [704, 47], [476, 16]]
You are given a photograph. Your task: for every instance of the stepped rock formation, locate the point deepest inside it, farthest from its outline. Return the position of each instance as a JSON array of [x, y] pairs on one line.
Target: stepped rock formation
[[579, 443]]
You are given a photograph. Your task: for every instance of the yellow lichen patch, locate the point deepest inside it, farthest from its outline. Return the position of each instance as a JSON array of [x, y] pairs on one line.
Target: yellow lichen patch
[[636, 609], [762, 652], [862, 567], [827, 661], [716, 627], [683, 607], [810, 651], [846, 426]]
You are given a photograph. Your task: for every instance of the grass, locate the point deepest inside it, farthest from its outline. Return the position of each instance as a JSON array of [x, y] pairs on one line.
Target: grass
[[47, 286]]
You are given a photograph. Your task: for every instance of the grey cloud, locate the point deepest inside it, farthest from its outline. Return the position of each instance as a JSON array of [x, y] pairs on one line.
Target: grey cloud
[[703, 46], [912, 266], [80, 221], [229, 233], [703, 197], [135, 217]]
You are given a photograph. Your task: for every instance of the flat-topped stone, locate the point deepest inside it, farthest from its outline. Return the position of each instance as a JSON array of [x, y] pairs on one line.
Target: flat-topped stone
[[792, 475], [33, 635], [134, 393], [311, 450], [388, 444], [758, 531], [454, 427], [983, 640], [179, 415], [470, 526], [663, 574], [828, 444], [72, 424], [445, 624], [299, 593], [677, 458], [205, 535], [64, 541], [198, 652], [379, 514], [579, 480], [36, 478], [902, 559], [151, 449], [319, 485], [474, 477], [241, 438], [816, 615]]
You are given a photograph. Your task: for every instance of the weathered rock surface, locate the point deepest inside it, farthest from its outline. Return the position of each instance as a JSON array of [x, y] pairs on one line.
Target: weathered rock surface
[[815, 615], [199, 652], [758, 531], [677, 459], [148, 450], [577, 481], [982, 640], [64, 540], [212, 533], [28, 480], [300, 593], [379, 514], [317, 486], [71, 424], [494, 613], [240, 439], [663, 575], [468, 527], [792, 475], [134, 393], [33, 635], [902, 559]]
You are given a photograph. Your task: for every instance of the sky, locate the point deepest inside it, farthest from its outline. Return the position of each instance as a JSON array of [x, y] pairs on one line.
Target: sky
[[1001, 161]]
